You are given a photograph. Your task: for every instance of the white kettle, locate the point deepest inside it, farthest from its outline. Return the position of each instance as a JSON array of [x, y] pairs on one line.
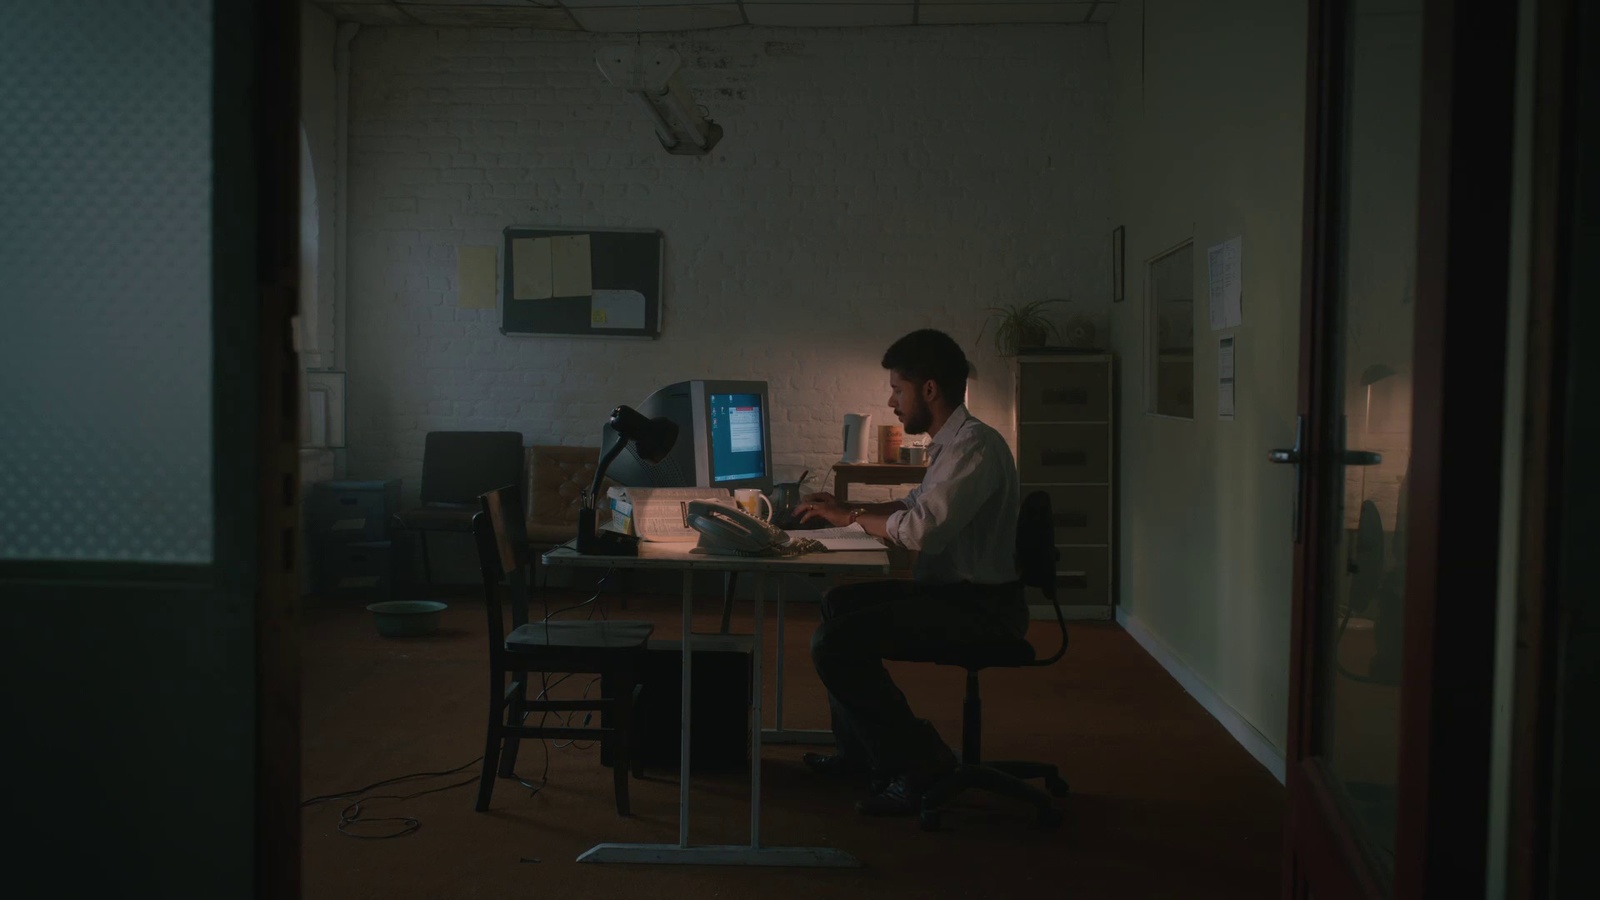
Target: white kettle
[[856, 428]]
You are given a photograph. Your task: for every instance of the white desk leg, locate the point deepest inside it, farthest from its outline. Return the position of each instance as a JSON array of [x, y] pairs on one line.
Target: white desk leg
[[755, 714], [719, 855], [777, 712], [683, 720], [778, 734]]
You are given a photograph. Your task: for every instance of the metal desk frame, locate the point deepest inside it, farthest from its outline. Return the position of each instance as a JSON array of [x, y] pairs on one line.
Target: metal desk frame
[[680, 556]]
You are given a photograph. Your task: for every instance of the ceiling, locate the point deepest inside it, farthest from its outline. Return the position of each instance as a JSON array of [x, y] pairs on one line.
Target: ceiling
[[614, 16]]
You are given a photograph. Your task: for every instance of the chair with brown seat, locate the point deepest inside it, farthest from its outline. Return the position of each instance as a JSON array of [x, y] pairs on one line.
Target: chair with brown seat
[[613, 650], [557, 478]]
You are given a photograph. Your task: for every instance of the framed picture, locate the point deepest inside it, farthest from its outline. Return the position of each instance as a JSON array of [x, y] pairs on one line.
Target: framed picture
[[1116, 264], [322, 411]]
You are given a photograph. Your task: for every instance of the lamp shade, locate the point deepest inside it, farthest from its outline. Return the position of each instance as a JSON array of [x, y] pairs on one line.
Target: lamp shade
[[652, 438]]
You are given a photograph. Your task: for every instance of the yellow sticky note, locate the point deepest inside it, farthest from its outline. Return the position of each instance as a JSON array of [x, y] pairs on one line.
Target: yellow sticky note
[[597, 317], [475, 277]]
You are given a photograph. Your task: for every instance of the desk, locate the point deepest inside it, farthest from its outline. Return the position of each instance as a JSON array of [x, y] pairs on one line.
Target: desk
[[681, 556], [846, 474]]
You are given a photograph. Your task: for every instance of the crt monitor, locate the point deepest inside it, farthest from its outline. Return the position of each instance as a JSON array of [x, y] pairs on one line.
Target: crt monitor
[[724, 437]]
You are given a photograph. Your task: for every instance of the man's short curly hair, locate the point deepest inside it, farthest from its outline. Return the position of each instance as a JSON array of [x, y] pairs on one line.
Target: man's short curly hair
[[931, 355]]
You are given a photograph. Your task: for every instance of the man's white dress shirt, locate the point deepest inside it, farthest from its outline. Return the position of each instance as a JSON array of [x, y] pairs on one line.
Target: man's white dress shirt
[[962, 518]]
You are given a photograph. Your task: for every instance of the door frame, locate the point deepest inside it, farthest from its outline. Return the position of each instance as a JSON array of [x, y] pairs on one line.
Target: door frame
[[1464, 201], [273, 72], [1547, 599]]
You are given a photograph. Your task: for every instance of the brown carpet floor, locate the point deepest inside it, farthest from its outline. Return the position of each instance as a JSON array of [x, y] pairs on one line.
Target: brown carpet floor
[[1164, 804]]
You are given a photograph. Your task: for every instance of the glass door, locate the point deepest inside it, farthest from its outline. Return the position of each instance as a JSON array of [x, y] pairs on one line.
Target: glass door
[[1402, 356], [1369, 384]]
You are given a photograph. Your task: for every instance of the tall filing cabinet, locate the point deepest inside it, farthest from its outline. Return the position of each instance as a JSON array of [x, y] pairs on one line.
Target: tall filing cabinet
[[1066, 445]]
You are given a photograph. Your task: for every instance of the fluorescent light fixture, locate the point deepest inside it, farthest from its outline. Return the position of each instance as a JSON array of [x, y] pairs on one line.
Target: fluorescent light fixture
[[651, 74]]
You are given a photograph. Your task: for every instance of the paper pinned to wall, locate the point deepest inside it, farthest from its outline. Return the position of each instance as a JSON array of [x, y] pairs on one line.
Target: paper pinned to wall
[[1223, 271], [616, 309], [316, 430], [530, 267], [570, 266], [475, 268], [1225, 379]]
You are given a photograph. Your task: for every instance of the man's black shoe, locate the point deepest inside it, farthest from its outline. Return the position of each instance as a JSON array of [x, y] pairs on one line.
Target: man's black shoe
[[902, 795]]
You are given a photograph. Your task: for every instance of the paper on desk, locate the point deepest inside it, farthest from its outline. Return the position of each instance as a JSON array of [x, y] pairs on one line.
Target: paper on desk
[[658, 512], [850, 537]]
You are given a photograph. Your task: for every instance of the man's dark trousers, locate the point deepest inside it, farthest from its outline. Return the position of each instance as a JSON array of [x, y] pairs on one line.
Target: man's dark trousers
[[862, 624]]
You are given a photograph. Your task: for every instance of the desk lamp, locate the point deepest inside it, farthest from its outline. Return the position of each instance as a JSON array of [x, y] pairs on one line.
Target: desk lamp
[[653, 439]]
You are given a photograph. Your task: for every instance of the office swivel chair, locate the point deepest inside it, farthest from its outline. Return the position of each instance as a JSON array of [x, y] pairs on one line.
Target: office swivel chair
[[1036, 563]]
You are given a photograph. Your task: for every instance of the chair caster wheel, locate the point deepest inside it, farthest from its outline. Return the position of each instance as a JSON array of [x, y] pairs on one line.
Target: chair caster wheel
[[930, 820], [1057, 786], [1049, 817]]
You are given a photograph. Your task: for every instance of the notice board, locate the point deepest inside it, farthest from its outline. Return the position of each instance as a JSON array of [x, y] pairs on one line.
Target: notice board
[[576, 281]]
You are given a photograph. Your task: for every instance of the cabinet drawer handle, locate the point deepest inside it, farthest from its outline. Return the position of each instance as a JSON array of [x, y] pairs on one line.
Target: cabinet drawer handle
[[1063, 457], [348, 501], [1066, 397], [1072, 519], [1080, 582]]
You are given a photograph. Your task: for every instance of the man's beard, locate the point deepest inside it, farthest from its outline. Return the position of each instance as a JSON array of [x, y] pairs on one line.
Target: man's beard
[[917, 419]]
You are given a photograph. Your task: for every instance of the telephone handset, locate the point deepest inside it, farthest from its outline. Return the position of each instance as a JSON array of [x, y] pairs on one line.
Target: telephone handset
[[727, 529], [730, 531]]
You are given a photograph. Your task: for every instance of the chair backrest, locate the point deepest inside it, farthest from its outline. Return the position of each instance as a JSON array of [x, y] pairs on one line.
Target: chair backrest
[[1037, 557], [557, 478], [457, 466], [502, 554]]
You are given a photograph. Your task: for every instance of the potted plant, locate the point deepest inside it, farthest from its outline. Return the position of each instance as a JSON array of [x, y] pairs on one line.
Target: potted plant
[[1020, 326]]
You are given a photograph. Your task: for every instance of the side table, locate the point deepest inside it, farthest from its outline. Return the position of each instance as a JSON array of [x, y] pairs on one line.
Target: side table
[[846, 474]]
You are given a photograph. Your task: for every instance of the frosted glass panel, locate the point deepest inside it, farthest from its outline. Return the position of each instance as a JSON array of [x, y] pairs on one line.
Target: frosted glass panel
[[105, 281]]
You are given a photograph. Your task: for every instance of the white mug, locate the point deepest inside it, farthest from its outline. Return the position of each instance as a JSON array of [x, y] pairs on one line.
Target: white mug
[[752, 501]]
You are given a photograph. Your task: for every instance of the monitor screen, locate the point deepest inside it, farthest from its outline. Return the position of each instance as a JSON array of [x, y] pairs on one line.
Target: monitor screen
[[724, 437], [738, 437]]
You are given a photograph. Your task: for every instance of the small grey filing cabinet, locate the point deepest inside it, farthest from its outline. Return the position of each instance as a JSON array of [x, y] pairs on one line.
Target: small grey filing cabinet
[[349, 524], [1066, 446]]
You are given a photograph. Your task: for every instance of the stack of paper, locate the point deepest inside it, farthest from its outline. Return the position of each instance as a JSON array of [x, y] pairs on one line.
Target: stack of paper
[[656, 514], [850, 537]]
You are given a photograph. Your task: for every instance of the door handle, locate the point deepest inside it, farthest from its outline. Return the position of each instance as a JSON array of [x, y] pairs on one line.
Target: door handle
[[1294, 456]]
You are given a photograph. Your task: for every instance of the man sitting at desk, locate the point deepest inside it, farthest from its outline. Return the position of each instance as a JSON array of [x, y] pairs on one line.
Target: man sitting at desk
[[963, 520]]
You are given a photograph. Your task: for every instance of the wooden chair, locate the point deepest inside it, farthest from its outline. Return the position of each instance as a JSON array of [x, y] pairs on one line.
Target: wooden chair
[[613, 650], [458, 466]]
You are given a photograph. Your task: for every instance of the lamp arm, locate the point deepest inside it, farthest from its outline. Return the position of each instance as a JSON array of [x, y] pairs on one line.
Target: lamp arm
[[600, 472]]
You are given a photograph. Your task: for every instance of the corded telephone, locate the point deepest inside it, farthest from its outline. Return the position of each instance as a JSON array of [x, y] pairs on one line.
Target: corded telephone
[[729, 531]]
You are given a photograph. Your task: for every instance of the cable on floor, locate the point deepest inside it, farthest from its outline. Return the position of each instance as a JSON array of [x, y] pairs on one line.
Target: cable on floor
[[351, 817]]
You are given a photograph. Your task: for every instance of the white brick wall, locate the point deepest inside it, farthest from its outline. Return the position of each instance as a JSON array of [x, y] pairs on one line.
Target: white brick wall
[[870, 182]]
